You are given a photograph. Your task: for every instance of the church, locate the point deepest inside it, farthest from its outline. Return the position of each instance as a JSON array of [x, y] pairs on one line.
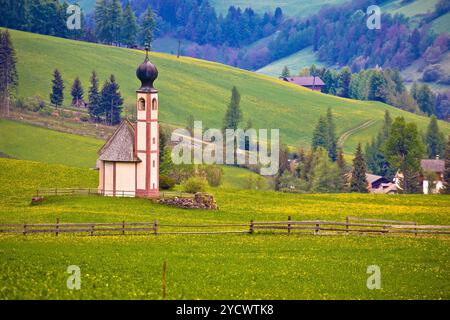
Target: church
[[128, 162]]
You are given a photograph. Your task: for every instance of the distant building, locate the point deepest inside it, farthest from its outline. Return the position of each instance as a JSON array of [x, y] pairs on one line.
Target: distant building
[[379, 184], [313, 83], [428, 166]]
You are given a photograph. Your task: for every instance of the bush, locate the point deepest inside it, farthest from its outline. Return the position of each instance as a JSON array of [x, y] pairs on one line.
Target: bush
[[35, 104], [46, 111], [84, 118], [166, 183], [194, 185], [213, 175], [432, 73]]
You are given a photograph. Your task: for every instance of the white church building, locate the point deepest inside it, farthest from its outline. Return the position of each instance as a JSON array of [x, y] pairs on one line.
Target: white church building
[[128, 162]]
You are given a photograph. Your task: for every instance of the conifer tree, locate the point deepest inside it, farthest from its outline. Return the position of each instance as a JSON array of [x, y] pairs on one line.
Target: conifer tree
[[129, 26], [434, 139], [8, 72], [285, 73], [233, 115], [77, 92], [111, 101], [147, 27], [358, 182], [94, 99], [340, 161], [115, 21], [320, 134], [57, 95]]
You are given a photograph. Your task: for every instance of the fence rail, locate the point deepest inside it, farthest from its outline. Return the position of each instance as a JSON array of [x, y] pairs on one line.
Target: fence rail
[[103, 192], [315, 227]]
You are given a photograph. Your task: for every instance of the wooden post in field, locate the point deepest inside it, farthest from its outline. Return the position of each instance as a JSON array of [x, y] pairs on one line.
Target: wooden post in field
[[317, 227], [24, 228], [92, 230], [155, 227], [57, 226], [347, 224], [252, 227], [289, 225], [415, 229], [164, 279], [123, 227]]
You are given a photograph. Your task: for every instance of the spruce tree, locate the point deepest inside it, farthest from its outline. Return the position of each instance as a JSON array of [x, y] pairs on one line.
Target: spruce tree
[[233, 115], [103, 29], [77, 92], [8, 72], [57, 95], [332, 139], [434, 139], [378, 89], [147, 27], [358, 182], [111, 101], [94, 99], [115, 21], [344, 82], [320, 134], [340, 161], [285, 73], [446, 188], [129, 26]]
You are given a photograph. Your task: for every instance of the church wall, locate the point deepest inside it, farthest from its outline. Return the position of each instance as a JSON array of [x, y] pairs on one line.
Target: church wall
[[154, 171], [125, 179], [109, 178], [141, 172]]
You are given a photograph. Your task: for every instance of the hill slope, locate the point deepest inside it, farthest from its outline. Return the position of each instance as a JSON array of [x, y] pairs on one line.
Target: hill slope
[[197, 87]]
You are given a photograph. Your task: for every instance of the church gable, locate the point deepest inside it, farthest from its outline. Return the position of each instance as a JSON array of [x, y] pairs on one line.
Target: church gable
[[120, 146]]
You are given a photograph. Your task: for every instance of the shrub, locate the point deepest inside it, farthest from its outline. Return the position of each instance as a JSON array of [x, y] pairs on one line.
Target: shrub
[[194, 185], [166, 183], [46, 111], [213, 175], [84, 118], [432, 73], [35, 103]]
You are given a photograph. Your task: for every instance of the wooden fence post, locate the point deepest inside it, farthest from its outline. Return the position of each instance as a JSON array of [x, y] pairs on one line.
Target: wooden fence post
[[347, 222], [57, 226], [317, 227], [289, 225], [92, 230], [155, 227], [25, 229], [56, 191], [123, 227], [415, 229], [252, 227]]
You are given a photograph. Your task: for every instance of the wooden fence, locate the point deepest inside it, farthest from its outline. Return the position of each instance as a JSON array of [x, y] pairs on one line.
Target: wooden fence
[[361, 226], [95, 191]]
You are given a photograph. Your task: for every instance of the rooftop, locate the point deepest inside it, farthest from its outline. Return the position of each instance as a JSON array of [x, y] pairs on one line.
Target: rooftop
[[305, 81]]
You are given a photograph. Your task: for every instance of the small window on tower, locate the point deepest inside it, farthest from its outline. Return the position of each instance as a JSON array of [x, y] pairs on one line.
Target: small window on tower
[[154, 140], [154, 104], [154, 163], [141, 104]]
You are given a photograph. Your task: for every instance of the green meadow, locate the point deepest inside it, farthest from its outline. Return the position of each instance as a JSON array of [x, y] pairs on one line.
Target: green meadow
[[259, 266], [201, 88]]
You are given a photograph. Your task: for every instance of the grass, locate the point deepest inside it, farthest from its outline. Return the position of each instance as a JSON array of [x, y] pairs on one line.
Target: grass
[[202, 267], [192, 86], [295, 62], [28, 142]]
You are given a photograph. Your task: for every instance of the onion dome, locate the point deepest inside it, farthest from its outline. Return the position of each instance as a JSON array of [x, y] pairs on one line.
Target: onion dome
[[147, 73]]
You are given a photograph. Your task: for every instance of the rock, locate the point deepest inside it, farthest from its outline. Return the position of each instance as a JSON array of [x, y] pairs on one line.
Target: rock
[[200, 201]]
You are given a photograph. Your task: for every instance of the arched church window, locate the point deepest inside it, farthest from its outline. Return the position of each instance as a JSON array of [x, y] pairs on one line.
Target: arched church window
[[141, 104], [154, 104]]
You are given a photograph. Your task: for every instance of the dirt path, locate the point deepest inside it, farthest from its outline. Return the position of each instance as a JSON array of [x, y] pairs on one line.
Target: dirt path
[[352, 131]]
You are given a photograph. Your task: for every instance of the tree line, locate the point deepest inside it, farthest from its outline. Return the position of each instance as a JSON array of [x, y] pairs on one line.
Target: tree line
[[104, 106], [380, 85], [9, 77]]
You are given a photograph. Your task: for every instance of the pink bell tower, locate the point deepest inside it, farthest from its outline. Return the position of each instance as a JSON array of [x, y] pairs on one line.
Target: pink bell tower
[[147, 131]]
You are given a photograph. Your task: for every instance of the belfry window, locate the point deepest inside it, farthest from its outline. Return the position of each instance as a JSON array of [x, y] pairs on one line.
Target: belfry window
[[141, 104], [154, 104]]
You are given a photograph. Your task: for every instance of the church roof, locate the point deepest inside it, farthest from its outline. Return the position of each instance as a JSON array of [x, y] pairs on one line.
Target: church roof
[[434, 165], [120, 146]]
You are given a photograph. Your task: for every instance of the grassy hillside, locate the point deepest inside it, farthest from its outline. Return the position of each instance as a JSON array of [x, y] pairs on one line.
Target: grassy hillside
[[200, 267], [295, 62], [191, 86]]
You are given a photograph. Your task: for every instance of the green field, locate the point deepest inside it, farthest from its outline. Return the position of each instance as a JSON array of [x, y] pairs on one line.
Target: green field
[[192, 86], [295, 62], [214, 267]]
